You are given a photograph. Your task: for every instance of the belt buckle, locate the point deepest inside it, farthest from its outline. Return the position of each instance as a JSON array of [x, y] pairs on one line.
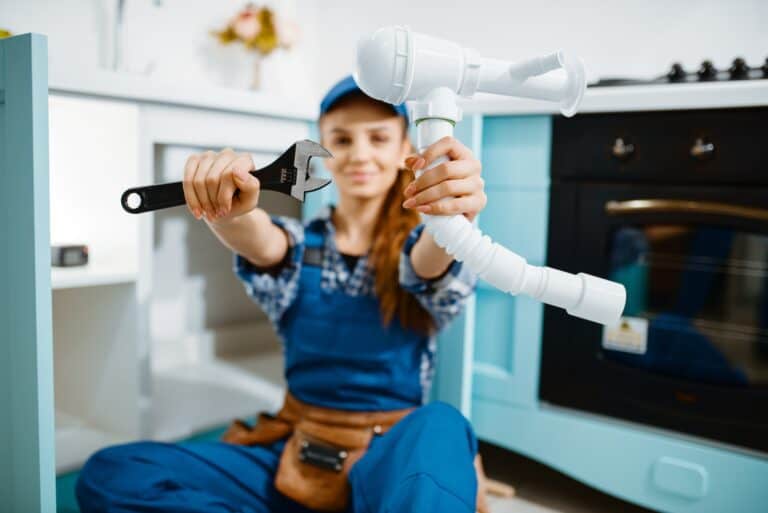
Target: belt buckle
[[322, 456]]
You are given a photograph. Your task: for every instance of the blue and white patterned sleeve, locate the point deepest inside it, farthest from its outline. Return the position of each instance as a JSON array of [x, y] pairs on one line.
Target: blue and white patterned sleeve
[[443, 297], [274, 292]]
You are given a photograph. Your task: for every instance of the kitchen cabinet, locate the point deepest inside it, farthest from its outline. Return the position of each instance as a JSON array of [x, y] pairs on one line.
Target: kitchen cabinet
[[26, 359], [154, 338], [658, 469]]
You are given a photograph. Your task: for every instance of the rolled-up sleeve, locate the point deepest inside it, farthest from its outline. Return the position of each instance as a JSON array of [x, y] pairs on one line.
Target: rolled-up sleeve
[[275, 292], [443, 297]]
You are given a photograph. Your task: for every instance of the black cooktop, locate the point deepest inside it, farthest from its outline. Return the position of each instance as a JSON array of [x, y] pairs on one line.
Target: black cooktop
[[739, 70]]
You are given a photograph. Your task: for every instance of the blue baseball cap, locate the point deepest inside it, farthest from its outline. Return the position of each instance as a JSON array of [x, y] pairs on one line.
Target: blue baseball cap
[[347, 86]]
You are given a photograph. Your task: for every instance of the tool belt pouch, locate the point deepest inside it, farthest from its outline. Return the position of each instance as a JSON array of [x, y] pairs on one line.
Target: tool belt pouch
[[315, 464], [322, 446], [268, 429]]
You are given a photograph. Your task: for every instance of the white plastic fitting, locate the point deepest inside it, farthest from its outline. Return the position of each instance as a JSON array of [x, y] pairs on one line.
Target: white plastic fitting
[[387, 63], [396, 65]]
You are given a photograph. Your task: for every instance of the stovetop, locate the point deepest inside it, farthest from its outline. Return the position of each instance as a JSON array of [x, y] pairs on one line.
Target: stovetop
[[707, 73]]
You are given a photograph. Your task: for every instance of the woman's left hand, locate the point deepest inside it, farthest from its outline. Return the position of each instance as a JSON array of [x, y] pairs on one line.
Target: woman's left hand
[[452, 187]]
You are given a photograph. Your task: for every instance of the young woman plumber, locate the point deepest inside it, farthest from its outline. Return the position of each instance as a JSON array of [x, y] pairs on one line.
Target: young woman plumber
[[357, 294]]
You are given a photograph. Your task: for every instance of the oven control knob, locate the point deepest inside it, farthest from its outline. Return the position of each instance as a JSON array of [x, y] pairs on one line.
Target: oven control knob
[[622, 149], [676, 73], [739, 69], [707, 71]]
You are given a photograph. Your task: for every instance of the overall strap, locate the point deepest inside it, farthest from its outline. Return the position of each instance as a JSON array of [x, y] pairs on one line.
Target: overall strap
[[314, 244]]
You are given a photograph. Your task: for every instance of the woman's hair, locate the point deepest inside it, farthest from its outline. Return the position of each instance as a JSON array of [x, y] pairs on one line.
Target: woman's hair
[[389, 234], [392, 228]]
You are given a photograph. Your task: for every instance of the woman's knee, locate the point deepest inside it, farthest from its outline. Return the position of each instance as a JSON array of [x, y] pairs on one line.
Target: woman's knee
[[120, 455], [440, 413], [110, 462], [443, 419]]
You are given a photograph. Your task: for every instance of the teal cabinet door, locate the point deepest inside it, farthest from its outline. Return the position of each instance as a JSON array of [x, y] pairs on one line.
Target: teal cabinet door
[[507, 329], [27, 476]]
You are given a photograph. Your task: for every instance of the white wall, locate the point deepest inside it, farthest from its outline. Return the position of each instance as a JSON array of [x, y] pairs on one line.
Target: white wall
[[167, 39], [626, 37]]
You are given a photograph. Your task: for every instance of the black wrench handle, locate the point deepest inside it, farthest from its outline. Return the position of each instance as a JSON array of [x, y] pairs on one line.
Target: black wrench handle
[[153, 197], [157, 197]]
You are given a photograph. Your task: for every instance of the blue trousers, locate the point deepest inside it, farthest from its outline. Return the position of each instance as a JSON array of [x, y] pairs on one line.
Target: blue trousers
[[423, 464]]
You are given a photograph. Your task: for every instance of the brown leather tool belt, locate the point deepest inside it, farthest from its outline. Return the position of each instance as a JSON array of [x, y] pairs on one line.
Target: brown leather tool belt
[[323, 446]]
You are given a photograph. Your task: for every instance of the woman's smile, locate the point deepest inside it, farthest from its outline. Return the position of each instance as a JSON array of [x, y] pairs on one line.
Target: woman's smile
[[360, 176]]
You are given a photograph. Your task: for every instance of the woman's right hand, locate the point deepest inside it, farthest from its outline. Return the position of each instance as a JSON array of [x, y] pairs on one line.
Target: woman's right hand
[[210, 182]]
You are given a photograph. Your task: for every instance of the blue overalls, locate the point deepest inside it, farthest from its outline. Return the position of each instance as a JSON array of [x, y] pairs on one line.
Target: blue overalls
[[338, 355]]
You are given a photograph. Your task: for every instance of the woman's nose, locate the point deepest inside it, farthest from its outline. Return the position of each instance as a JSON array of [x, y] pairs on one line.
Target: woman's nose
[[360, 151]]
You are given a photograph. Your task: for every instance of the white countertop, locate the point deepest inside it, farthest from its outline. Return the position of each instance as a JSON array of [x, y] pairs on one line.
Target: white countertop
[[125, 86], [750, 93], [108, 84]]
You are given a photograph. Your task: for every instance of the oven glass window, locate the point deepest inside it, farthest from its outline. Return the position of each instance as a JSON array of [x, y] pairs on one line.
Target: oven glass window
[[698, 296]]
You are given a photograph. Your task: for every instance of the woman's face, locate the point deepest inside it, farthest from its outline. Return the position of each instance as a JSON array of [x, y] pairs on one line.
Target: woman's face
[[368, 147]]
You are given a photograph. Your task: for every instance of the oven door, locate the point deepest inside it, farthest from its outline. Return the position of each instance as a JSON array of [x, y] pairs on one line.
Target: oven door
[[691, 353]]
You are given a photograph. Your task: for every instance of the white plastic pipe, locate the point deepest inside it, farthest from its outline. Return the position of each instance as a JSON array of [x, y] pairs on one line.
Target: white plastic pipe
[[387, 70]]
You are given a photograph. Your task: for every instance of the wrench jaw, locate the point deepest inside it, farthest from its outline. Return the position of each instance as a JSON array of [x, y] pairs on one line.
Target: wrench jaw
[[313, 183], [303, 151]]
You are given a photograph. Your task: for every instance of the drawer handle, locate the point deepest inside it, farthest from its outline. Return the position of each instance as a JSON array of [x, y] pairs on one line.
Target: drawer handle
[[702, 150], [621, 149]]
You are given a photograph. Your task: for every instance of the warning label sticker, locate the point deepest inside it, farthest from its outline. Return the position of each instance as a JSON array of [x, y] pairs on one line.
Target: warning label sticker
[[630, 335]]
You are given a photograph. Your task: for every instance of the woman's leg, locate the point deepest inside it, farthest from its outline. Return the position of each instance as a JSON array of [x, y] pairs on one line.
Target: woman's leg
[[424, 464], [190, 478]]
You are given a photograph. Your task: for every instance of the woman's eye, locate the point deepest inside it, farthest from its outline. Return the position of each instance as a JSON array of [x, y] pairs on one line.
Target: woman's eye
[[341, 141], [380, 139]]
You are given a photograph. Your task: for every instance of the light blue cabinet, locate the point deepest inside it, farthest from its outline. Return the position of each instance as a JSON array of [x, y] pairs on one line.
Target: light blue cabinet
[[26, 354], [515, 154], [662, 471]]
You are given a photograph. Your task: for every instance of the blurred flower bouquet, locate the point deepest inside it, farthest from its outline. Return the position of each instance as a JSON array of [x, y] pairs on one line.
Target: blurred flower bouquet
[[261, 30]]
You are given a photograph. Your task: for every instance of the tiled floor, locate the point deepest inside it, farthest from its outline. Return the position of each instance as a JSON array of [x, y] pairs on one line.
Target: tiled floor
[[541, 489]]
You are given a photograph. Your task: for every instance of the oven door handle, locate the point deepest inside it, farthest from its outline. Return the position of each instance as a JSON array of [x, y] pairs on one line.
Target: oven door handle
[[659, 206]]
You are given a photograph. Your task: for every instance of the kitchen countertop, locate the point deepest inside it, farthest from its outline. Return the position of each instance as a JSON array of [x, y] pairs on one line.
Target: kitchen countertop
[[125, 86], [749, 93]]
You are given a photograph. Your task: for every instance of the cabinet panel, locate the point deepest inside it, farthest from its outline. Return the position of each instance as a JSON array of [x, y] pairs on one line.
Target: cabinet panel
[[516, 150], [495, 327], [509, 370], [507, 328], [26, 361], [516, 218], [649, 467]]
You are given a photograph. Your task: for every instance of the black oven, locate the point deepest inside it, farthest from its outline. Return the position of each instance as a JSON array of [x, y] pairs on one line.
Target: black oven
[[674, 205]]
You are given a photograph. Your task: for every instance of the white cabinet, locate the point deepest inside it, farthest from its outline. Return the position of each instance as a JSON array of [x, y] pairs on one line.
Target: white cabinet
[[93, 158], [155, 337]]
